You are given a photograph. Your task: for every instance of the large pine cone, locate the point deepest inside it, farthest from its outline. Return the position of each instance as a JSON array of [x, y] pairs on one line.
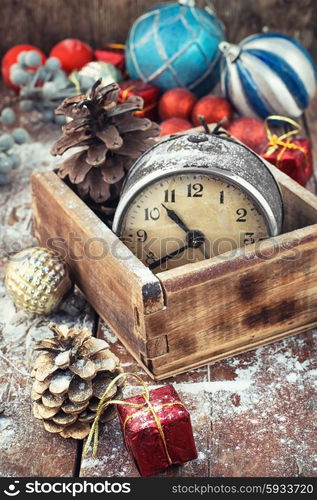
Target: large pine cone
[[110, 136], [71, 375]]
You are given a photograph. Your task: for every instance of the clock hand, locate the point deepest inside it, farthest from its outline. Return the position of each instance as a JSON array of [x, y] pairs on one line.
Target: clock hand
[[173, 215], [195, 238], [167, 257], [204, 251]]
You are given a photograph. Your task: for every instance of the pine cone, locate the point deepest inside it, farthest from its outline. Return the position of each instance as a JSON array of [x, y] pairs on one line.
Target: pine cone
[[71, 375], [110, 136]]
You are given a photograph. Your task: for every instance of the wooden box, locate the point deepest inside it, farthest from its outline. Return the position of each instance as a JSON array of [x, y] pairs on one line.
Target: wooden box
[[201, 312]]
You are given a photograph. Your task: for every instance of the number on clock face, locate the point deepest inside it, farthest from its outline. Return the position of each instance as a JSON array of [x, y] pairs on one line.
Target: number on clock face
[[189, 217]]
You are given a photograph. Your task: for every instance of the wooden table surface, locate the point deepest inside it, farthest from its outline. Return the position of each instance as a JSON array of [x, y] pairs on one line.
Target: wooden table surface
[[252, 415]]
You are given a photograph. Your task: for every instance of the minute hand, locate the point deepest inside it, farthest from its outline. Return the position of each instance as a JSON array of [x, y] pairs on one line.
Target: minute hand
[[175, 218], [164, 259]]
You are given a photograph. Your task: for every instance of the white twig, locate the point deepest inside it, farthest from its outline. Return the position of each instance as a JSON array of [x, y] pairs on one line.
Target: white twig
[[13, 366]]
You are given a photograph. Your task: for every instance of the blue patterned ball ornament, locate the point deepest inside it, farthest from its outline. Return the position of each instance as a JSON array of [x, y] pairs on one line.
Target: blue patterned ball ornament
[[268, 74], [176, 45]]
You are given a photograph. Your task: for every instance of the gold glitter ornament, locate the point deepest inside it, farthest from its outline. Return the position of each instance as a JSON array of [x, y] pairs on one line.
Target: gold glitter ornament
[[37, 280]]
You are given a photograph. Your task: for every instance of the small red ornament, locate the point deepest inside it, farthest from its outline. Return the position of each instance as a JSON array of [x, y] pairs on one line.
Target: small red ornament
[[251, 132], [160, 436], [213, 109], [174, 125], [11, 58], [73, 54], [176, 103]]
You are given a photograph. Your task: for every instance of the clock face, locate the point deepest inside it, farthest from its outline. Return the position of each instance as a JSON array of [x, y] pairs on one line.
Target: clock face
[[189, 217]]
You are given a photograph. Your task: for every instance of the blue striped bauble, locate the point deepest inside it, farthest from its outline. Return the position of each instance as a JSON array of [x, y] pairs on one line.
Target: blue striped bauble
[[268, 74], [176, 45]]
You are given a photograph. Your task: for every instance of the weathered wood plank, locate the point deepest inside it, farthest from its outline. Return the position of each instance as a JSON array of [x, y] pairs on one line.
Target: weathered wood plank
[[101, 21], [252, 415], [258, 411], [113, 459], [311, 116], [26, 449], [250, 303], [300, 204], [262, 425]]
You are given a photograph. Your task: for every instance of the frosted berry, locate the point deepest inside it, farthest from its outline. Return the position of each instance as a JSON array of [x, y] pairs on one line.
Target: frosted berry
[[7, 116], [20, 135], [42, 73], [53, 64], [32, 58], [60, 119], [15, 66], [19, 76], [10, 59], [16, 160], [26, 105], [21, 58], [6, 164], [5, 179], [6, 142], [49, 90], [47, 115]]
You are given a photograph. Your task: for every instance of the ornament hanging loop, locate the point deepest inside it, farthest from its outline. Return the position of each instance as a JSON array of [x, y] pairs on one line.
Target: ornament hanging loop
[[230, 50], [188, 3]]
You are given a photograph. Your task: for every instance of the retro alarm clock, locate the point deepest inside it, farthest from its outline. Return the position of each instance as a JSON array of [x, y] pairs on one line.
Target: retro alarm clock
[[194, 196]]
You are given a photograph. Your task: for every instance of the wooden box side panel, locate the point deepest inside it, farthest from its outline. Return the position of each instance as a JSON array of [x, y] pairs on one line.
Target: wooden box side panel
[[214, 308], [300, 205], [119, 287]]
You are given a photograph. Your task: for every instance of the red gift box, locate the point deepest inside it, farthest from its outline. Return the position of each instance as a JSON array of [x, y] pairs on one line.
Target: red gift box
[[294, 159], [157, 432], [149, 93], [113, 53]]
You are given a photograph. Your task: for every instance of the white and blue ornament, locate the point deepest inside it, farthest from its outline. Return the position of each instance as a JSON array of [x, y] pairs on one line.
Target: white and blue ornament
[[94, 70], [176, 45], [268, 74]]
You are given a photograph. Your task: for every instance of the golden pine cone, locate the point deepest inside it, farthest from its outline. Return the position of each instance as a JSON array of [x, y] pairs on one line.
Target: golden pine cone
[[37, 280], [71, 375]]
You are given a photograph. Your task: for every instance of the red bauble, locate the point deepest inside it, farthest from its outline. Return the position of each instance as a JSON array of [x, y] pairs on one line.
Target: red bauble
[[251, 132], [176, 103], [73, 54], [174, 125], [213, 109], [11, 58]]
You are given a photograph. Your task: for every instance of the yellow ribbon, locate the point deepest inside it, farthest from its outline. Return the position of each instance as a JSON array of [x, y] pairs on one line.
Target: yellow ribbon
[[125, 95], [73, 78], [285, 140], [115, 46], [103, 404]]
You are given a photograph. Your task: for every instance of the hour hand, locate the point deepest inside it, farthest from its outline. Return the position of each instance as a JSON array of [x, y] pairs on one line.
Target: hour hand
[[174, 217]]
